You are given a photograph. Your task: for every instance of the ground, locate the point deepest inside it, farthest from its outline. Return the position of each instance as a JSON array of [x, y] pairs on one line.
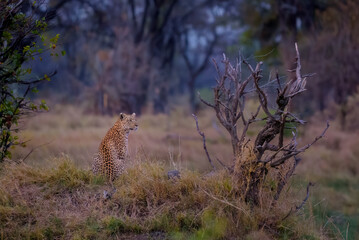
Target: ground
[[53, 195]]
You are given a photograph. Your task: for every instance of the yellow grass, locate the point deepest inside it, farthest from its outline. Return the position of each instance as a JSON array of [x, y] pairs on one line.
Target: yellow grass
[[172, 139], [54, 195], [66, 202]]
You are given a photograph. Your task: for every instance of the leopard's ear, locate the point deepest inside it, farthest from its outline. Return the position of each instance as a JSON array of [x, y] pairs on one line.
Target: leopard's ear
[[134, 114], [122, 116]]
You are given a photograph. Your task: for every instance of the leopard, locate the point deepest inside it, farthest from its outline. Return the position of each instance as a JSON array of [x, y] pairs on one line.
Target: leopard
[[113, 151]]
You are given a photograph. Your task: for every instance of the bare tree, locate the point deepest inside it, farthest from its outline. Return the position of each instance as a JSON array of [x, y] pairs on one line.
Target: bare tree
[[252, 161], [196, 67]]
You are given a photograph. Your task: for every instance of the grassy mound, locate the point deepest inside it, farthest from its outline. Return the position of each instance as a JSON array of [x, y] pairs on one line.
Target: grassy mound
[[67, 203]]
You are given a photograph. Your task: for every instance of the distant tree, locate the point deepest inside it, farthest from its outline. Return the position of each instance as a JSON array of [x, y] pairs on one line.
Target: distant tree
[[328, 33], [173, 29], [332, 54], [161, 25], [150, 36], [273, 25], [197, 40], [20, 30], [196, 64]]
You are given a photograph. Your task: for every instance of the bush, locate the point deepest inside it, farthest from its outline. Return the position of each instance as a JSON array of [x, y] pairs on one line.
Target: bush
[[20, 31]]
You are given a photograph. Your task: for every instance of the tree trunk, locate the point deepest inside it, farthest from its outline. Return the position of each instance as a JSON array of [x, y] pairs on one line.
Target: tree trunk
[[192, 94]]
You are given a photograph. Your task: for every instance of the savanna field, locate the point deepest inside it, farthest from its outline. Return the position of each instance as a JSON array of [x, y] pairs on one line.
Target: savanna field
[[52, 194], [247, 114]]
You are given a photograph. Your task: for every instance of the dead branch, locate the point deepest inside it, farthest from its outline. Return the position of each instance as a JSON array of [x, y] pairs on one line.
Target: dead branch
[[310, 184], [33, 149], [293, 152], [204, 141], [247, 123], [229, 99], [316, 139], [229, 104], [223, 165], [204, 101], [226, 202], [261, 95], [297, 208], [297, 85], [284, 181]]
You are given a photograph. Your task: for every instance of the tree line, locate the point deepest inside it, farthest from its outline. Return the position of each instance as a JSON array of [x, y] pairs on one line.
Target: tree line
[[131, 54]]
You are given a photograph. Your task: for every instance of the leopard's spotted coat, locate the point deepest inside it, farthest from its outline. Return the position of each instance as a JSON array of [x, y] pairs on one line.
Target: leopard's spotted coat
[[113, 150]]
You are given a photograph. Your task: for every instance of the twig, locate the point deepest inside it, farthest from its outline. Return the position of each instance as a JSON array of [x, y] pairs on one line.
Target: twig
[[316, 139], [284, 181], [297, 85], [226, 202], [33, 149], [310, 184], [297, 208], [204, 101], [278, 81], [297, 70], [261, 95], [248, 122], [222, 164], [296, 119], [217, 68], [302, 149], [204, 141]]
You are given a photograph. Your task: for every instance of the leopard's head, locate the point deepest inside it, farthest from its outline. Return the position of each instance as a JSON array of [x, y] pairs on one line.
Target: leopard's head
[[129, 122]]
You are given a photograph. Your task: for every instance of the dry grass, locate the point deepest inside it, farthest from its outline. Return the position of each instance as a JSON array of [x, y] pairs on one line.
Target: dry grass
[[333, 165], [172, 139], [51, 197], [66, 202]]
